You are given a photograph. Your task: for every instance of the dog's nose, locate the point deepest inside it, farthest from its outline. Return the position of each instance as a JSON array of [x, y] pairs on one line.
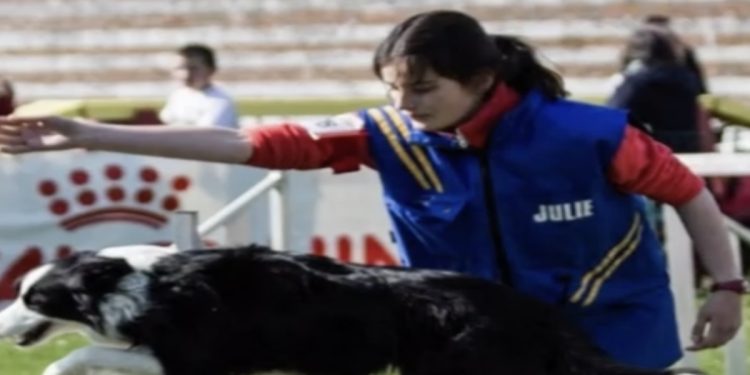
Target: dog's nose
[[10, 319]]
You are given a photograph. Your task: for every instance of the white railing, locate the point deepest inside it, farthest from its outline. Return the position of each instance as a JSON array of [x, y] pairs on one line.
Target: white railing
[[272, 184], [188, 234], [185, 234]]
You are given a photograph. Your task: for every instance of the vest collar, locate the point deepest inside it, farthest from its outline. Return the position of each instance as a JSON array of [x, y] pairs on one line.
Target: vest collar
[[477, 128], [474, 131]]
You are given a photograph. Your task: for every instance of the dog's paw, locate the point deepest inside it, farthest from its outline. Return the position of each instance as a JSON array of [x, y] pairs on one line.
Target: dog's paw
[[76, 369], [58, 368], [95, 371], [72, 364], [93, 360]]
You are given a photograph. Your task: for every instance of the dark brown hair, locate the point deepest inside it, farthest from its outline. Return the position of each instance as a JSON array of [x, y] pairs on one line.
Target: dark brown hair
[[200, 51], [657, 19], [455, 46], [653, 45]]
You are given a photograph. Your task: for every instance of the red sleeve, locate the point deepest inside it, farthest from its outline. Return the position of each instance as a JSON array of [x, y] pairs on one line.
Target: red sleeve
[[290, 146], [645, 166]]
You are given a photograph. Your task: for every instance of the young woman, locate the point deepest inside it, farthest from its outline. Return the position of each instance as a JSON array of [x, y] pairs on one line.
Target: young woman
[[487, 170]]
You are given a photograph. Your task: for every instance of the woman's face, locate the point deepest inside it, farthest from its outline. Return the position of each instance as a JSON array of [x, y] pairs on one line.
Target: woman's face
[[433, 101]]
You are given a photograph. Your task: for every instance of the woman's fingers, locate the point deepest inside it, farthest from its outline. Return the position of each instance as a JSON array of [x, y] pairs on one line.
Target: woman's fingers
[[718, 320], [10, 130], [26, 148], [20, 120], [11, 124], [716, 336], [13, 150], [9, 140], [21, 135]]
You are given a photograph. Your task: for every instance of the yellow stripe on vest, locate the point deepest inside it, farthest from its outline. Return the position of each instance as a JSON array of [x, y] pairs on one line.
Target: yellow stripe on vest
[[611, 256], [598, 284], [397, 148], [421, 158]]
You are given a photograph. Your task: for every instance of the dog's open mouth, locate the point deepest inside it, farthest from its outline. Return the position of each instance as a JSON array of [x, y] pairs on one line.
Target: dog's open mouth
[[33, 335]]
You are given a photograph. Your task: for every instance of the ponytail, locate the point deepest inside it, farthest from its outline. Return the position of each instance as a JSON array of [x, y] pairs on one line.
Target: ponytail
[[521, 70]]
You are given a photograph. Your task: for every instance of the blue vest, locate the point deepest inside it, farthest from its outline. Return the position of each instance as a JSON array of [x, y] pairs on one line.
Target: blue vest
[[534, 209]]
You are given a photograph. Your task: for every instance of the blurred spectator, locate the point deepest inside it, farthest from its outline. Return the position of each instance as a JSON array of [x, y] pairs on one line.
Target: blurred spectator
[[690, 59], [659, 90], [199, 101], [7, 97]]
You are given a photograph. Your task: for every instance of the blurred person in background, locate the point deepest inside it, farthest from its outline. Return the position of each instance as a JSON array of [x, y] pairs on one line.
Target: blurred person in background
[[629, 63], [659, 89], [198, 101], [690, 59], [7, 97], [488, 170]]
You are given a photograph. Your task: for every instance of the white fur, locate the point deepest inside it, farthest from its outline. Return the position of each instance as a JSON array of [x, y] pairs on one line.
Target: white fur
[[17, 318], [97, 359], [140, 257], [130, 300]]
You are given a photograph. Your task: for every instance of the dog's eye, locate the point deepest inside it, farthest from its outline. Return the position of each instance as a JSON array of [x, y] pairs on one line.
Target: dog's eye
[[34, 300]]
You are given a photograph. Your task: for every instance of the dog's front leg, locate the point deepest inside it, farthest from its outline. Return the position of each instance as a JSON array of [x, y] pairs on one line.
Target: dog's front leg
[[92, 358]]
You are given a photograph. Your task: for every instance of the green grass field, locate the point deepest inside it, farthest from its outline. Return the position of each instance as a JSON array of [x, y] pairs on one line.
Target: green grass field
[[14, 361]]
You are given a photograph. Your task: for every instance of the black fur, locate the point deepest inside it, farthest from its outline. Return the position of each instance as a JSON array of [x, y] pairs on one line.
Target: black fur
[[75, 286], [238, 311]]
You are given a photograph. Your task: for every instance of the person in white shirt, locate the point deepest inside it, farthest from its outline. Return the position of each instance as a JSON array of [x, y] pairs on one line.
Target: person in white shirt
[[199, 101]]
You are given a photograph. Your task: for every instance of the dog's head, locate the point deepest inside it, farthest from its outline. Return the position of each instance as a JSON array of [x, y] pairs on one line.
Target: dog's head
[[62, 296]]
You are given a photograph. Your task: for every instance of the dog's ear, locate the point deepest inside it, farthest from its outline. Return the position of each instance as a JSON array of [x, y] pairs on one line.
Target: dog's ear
[[91, 278], [74, 258], [97, 276]]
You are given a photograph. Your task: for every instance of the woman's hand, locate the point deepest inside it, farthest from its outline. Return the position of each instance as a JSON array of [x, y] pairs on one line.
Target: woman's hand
[[30, 134], [718, 320], [721, 315]]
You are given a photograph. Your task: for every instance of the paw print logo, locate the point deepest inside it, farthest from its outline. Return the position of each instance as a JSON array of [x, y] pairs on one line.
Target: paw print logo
[[86, 198]]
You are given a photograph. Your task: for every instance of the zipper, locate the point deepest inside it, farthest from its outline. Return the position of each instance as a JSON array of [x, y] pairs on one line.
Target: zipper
[[494, 219]]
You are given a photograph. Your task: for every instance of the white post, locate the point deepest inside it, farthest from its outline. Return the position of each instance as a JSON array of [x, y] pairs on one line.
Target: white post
[[277, 216], [736, 350], [680, 259], [185, 230]]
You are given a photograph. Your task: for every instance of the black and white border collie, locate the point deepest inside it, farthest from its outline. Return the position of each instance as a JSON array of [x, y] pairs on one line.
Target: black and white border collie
[[246, 310]]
